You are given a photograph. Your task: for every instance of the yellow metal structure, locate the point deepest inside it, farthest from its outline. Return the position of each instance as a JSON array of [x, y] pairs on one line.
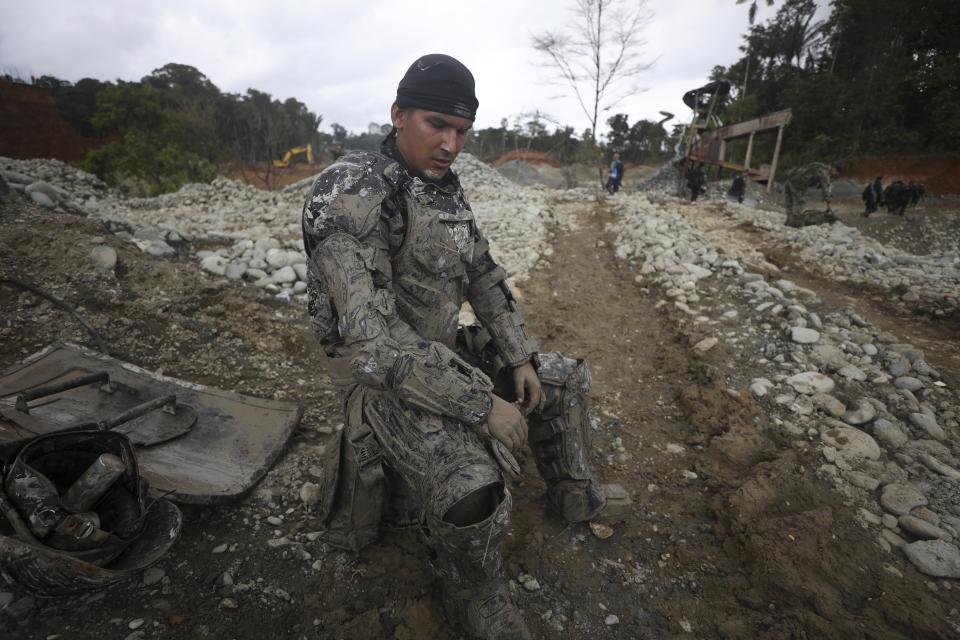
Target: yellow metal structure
[[283, 164]]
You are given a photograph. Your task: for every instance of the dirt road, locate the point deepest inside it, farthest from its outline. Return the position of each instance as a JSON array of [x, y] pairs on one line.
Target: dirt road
[[734, 534]]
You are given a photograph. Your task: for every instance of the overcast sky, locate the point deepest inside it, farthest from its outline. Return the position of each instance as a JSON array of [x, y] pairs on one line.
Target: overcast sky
[[344, 59]]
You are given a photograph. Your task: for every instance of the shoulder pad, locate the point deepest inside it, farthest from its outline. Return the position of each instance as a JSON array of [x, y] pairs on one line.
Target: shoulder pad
[[346, 196]]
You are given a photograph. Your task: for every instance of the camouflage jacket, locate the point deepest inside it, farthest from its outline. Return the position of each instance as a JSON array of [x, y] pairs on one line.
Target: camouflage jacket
[[815, 174], [391, 258]]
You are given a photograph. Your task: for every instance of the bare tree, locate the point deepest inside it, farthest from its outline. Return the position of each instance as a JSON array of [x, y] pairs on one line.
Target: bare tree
[[597, 54]]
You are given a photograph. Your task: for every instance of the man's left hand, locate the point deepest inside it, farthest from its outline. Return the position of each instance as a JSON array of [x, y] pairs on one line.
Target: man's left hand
[[526, 384]]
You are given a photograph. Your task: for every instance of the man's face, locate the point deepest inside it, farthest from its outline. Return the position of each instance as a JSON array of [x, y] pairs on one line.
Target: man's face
[[616, 156], [429, 141]]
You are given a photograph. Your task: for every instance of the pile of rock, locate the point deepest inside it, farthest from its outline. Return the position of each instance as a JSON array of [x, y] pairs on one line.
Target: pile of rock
[[881, 418], [262, 228], [513, 218], [52, 184], [844, 253]]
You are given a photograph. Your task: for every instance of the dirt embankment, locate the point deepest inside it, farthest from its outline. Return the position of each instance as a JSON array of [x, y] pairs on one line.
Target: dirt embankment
[[940, 174], [31, 126]]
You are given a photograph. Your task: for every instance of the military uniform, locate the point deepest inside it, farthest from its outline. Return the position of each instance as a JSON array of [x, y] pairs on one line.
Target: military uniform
[[391, 259], [815, 174]]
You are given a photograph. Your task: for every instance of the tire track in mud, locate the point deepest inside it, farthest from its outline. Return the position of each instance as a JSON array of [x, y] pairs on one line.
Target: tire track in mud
[[733, 534]]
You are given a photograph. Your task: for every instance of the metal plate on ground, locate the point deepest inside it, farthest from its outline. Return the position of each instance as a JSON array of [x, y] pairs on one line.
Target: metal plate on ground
[[233, 441]]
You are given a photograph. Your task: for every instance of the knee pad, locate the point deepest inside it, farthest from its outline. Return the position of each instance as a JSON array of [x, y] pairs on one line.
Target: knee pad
[[459, 483], [560, 432]]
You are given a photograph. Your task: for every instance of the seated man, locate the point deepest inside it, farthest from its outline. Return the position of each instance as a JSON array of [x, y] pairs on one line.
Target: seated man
[[435, 412]]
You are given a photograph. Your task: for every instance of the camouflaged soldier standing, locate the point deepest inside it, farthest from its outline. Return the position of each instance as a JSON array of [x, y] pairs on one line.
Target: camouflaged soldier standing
[[815, 174], [393, 252]]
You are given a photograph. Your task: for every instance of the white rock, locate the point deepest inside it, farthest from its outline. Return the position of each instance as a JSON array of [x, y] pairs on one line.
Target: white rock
[[705, 345], [851, 443], [103, 257], [285, 274], [810, 382], [214, 264], [802, 335]]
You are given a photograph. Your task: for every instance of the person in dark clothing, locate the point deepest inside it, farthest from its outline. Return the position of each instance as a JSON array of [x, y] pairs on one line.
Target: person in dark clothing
[[616, 174], [738, 189], [696, 181], [878, 190], [869, 201], [915, 191], [896, 197]]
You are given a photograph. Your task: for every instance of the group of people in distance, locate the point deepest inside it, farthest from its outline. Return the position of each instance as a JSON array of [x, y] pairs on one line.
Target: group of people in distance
[[895, 197]]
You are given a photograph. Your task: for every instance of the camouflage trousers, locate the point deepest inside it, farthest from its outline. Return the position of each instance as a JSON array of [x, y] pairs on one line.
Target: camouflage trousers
[[400, 466], [432, 462]]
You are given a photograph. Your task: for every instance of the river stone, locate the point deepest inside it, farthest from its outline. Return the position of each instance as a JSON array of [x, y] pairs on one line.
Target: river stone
[[851, 443], [43, 200], [899, 367], [103, 257], [286, 274], [301, 270], [909, 383], [921, 528], [864, 413], [898, 499], [255, 274], [889, 433], [160, 249], [705, 345], [828, 356], [929, 425], [214, 264], [277, 258], [829, 404], [810, 382], [862, 480], [852, 373], [299, 287], [235, 270], [924, 369], [934, 558], [46, 189], [802, 335], [760, 386]]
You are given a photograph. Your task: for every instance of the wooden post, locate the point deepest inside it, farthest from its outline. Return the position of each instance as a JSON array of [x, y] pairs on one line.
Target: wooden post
[[776, 156], [746, 162]]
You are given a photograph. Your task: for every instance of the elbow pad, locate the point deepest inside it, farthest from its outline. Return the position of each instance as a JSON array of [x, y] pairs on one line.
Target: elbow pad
[[442, 383]]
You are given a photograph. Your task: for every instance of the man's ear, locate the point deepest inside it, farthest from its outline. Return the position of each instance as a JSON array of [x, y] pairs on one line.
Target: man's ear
[[398, 116]]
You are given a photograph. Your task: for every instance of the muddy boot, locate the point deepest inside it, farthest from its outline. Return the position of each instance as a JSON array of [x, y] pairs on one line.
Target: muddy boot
[[580, 501], [560, 440], [474, 592]]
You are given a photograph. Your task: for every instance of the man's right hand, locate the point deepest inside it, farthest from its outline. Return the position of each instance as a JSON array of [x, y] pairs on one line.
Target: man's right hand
[[506, 424]]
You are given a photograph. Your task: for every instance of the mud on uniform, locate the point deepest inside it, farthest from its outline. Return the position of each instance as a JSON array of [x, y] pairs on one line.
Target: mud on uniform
[[815, 174], [391, 259]]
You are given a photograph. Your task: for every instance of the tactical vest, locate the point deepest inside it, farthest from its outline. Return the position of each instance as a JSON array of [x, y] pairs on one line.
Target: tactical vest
[[430, 266]]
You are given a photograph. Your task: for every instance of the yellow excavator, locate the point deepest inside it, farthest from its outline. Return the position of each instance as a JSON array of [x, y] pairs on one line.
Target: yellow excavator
[[283, 164]]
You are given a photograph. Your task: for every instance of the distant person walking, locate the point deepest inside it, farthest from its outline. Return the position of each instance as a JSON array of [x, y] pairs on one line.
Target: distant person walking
[[696, 181], [869, 200], [616, 174], [738, 189], [878, 190]]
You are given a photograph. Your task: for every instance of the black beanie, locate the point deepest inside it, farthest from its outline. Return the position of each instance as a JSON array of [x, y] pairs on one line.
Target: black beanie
[[437, 82]]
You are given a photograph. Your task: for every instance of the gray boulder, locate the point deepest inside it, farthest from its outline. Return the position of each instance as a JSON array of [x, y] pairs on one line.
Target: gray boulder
[[934, 558], [43, 200], [103, 257]]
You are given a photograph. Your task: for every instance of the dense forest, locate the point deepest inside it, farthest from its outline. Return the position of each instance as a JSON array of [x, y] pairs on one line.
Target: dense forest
[[175, 126], [871, 77]]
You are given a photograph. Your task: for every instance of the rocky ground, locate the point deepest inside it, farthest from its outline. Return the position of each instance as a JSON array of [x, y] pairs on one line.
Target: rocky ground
[[782, 404]]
